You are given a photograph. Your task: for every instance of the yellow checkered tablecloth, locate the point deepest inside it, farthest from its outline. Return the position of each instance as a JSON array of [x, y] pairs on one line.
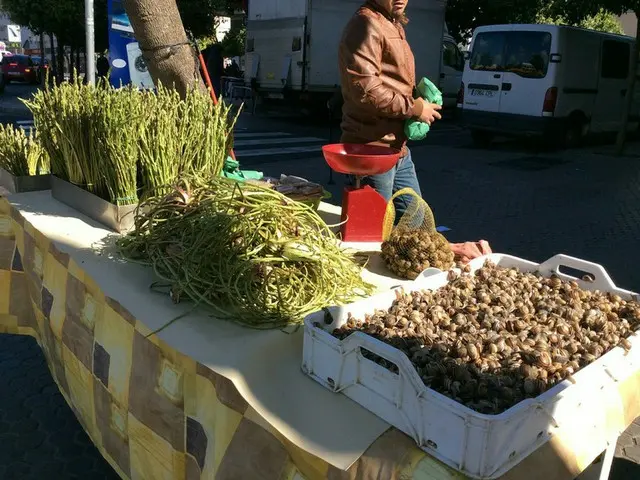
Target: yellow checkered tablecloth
[[157, 414], [153, 412]]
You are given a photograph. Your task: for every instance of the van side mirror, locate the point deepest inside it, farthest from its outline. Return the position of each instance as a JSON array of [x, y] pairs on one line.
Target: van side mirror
[[466, 55]]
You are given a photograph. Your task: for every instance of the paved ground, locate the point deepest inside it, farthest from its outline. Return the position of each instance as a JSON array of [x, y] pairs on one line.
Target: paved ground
[[11, 100], [39, 433], [526, 203]]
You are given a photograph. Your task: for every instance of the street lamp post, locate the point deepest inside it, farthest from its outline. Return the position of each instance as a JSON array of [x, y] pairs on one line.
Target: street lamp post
[[91, 47]]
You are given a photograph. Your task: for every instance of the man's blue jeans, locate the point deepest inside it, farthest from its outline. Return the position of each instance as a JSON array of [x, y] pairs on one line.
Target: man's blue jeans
[[403, 175]]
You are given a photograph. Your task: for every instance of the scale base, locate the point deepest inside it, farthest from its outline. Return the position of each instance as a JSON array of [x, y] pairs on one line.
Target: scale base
[[363, 211]]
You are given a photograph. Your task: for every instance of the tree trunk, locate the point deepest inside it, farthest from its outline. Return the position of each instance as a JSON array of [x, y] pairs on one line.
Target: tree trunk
[[54, 64], [163, 41], [60, 61], [72, 64], [43, 76], [78, 60], [622, 134]]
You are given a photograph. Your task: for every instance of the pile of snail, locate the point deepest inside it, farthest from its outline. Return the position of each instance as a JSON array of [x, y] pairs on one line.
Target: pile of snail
[[493, 338]]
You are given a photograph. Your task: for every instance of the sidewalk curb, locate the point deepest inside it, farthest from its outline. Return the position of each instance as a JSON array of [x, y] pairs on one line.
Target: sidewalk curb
[[625, 154]]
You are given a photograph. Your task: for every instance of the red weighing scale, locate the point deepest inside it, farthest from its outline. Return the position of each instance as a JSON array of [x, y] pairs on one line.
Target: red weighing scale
[[363, 209]]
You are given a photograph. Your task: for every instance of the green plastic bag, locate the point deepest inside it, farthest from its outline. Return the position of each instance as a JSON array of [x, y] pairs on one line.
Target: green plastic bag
[[232, 170], [416, 130]]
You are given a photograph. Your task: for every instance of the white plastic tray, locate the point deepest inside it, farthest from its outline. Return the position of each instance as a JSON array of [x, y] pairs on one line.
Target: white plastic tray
[[480, 446]]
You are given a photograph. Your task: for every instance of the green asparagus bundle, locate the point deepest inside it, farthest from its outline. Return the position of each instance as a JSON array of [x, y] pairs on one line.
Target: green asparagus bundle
[[21, 154], [123, 144], [90, 133], [182, 137]]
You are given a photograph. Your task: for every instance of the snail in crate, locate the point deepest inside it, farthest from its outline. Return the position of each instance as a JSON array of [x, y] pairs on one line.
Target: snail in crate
[[491, 338]]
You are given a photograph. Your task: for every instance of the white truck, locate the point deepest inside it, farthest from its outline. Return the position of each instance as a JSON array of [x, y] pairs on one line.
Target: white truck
[[292, 46]]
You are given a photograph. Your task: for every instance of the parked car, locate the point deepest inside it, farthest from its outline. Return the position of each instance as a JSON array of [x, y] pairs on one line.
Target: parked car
[[19, 67], [556, 81], [41, 67]]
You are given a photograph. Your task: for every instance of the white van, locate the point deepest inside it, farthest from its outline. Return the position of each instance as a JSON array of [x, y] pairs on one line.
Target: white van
[[560, 82], [450, 70]]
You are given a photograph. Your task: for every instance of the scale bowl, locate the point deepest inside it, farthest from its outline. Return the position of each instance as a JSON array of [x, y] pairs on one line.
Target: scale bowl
[[360, 160]]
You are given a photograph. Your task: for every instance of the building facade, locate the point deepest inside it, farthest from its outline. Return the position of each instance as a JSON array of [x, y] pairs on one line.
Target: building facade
[[629, 23]]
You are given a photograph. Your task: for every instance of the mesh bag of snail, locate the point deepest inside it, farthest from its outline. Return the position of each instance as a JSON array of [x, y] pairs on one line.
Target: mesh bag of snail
[[413, 245]]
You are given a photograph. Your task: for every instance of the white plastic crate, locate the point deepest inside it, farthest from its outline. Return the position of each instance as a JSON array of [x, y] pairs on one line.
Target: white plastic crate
[[478, 445]]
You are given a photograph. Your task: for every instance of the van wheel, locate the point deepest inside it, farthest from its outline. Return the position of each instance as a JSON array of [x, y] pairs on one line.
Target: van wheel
[[573, 134], [482, 138]]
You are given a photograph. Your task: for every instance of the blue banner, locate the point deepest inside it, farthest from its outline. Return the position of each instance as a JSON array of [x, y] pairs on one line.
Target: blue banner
[[125, 57]]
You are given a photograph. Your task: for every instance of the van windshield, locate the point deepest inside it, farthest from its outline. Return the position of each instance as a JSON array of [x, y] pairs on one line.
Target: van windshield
[[523, 53]]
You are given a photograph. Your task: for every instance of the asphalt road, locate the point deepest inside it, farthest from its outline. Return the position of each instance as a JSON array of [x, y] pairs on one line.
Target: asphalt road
[[527, 204]]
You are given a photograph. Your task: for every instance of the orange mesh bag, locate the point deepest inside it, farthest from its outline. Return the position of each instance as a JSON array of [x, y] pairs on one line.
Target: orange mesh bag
[[413, 245]]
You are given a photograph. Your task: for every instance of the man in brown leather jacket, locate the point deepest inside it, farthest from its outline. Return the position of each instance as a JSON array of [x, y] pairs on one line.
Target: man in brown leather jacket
[[378, 79]]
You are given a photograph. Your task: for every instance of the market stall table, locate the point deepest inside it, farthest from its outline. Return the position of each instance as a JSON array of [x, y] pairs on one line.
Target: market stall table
[[202, 398]]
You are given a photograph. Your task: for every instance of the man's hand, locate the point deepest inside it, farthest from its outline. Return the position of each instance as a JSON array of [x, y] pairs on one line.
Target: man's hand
[[465, 252], [430, 111]]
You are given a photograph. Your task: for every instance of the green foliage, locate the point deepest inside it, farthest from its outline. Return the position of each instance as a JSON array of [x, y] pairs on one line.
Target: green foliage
[[62, 18], [602, 21], [65, 18], [206, 42], [464, 16], [198, 17], [234, 42], [38, 15]]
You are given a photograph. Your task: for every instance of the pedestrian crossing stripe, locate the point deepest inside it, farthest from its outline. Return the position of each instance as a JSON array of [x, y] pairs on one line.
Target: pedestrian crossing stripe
[[266, 144], [245, 143], [26, 125], [271, 144], [265, 152], [263, 134], [276, 141]]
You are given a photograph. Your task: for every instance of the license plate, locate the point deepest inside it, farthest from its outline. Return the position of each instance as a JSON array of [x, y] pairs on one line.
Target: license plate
[[14, 73], [482, 93], [276, 96]]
